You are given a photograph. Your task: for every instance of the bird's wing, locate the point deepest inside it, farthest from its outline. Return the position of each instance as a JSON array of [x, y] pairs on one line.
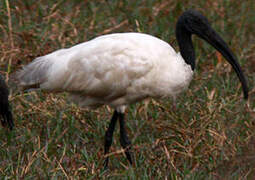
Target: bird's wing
[[96, 68]]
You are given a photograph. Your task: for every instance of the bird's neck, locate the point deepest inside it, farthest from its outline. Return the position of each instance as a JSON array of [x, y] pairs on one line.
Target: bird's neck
[[186, 47]]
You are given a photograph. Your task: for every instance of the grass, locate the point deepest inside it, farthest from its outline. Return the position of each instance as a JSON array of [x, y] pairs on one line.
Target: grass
[[210, 135]]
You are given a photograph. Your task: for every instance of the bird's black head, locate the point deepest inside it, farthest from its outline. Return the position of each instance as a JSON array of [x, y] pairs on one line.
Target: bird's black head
[[193, 22], [5, 111]]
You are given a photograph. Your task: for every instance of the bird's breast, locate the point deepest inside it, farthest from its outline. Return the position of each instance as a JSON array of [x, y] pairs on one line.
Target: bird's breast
[[170, 77]]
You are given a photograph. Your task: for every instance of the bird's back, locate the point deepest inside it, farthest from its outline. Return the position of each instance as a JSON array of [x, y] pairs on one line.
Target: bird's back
[[104, 69]]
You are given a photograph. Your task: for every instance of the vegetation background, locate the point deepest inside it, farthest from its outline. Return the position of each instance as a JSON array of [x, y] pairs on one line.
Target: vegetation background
[[210, 135]]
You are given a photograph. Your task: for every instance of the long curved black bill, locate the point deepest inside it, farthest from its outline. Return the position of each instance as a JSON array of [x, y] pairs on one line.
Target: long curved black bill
[[193, 22], [218, 43]]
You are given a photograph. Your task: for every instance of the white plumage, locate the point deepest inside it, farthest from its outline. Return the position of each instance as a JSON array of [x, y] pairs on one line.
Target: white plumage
[[119, 69], [116, 70]]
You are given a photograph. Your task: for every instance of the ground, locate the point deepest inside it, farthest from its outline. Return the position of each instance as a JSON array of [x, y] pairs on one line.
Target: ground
[[209, 135]]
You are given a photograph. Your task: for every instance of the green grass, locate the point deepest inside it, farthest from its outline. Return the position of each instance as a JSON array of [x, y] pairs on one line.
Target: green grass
[[210, 135]]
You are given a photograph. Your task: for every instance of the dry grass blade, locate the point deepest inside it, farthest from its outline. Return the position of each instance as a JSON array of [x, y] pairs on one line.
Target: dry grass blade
[[209, 134]]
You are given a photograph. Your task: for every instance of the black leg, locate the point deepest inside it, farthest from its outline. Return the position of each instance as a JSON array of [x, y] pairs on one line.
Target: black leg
[[124, 141], [108, 137]]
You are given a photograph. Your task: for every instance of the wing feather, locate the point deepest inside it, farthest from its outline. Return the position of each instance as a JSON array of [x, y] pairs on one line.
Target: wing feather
[[103, 67]]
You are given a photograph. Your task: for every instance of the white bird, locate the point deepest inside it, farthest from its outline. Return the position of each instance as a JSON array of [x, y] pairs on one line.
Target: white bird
[[5, 112], [124, 68]]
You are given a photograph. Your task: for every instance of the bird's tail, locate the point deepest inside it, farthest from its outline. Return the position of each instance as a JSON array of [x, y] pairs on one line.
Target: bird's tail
[[33, 74]]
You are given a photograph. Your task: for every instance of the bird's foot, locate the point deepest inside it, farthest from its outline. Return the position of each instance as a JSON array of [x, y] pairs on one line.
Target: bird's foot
[[129, 154], [106, 161]]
